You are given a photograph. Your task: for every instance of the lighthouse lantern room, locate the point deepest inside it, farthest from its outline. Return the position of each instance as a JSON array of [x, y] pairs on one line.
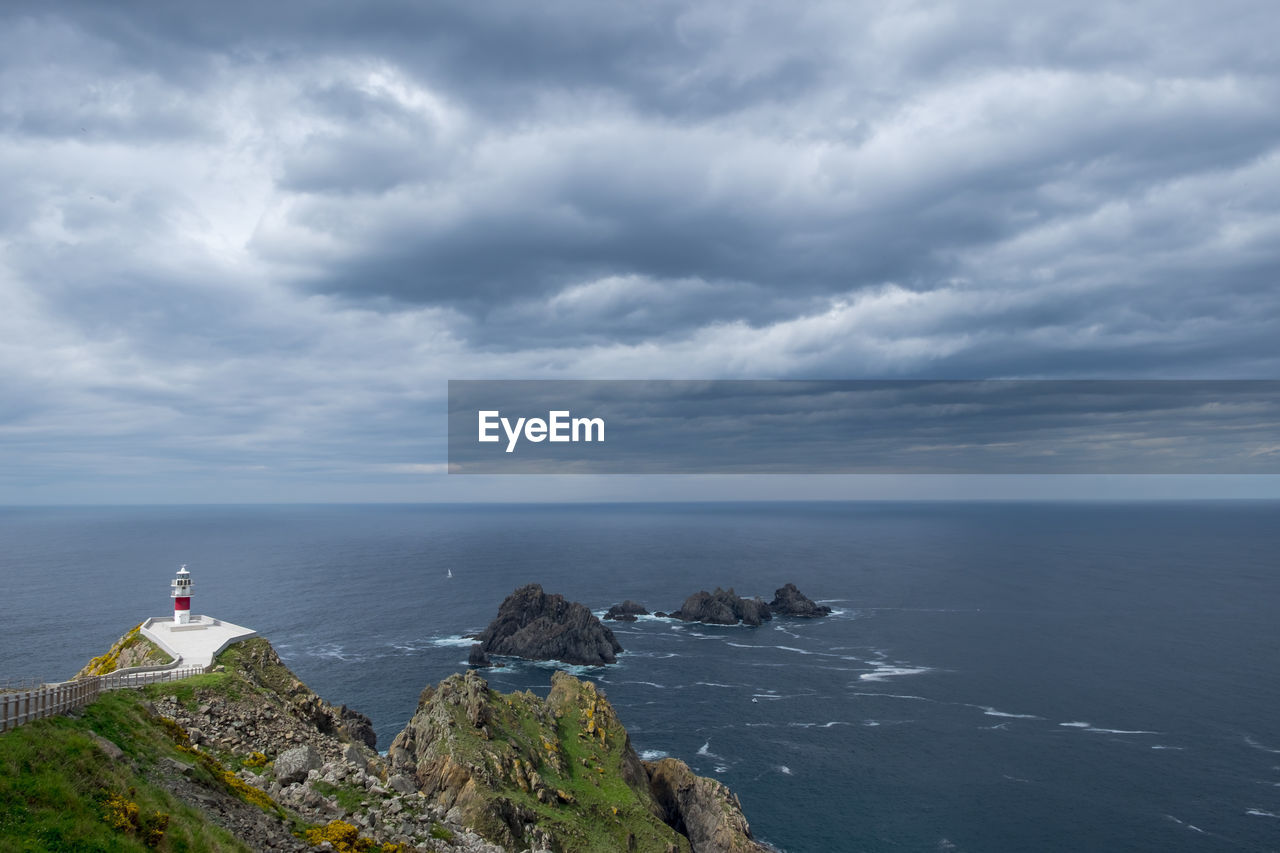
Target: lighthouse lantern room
[[181, 594]]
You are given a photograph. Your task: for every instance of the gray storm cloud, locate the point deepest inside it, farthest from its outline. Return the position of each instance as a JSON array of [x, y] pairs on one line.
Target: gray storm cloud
[[255, 244]]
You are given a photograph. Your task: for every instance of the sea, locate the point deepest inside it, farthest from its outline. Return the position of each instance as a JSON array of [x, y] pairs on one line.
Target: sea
[[995, 677]]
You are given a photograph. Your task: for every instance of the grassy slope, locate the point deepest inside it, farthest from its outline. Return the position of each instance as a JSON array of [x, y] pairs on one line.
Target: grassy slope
[[57, 785]]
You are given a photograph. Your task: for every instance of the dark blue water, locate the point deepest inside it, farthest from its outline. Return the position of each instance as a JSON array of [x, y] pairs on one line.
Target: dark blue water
[[997, 677]]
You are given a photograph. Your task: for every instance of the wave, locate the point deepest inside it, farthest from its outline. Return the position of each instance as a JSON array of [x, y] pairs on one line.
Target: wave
[[335, 651], [1189, 826], [1261, 813], [1253, 743], [454, 640], [705, 752], [1090, 727], [784, 770], [895, 696], [883, 672], [653, 754], [992, 712]]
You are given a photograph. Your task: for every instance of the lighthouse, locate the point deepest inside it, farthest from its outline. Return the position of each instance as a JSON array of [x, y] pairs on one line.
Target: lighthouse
[[181, 594]]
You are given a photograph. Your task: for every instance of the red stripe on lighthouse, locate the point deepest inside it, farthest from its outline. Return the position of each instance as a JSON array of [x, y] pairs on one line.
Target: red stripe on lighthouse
[[182, 603]]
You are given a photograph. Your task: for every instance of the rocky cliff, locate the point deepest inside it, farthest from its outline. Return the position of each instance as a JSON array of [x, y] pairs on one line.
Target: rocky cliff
[[536, 626], [247, 757], [558, 773]]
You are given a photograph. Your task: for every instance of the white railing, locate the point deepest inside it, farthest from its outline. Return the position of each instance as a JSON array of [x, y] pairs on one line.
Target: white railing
[[23, 706]]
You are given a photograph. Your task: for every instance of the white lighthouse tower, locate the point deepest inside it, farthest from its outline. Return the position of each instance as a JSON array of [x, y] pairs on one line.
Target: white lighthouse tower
[[181, 594]]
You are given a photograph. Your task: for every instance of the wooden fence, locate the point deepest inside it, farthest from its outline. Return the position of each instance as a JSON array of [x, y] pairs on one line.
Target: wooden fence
[[35, 703]]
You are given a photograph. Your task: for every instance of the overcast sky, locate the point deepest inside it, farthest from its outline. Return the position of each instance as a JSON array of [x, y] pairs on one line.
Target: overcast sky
[[242, 250]]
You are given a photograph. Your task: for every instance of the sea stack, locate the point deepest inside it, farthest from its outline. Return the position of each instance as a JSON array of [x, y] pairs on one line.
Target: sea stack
[[534, 625]]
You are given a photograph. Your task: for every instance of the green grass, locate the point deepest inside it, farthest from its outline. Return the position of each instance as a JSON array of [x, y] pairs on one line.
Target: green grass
[[349, 797], [57, 786], [604, 810], [191, 691]]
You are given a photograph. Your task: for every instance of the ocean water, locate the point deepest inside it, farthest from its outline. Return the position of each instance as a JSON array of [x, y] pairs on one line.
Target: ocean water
[[996, 677]]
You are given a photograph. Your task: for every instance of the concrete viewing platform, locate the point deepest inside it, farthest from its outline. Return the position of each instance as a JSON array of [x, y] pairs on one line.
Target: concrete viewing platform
[[194, 643]]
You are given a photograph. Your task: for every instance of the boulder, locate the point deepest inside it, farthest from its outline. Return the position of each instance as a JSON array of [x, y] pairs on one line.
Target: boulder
[[294, 764], [536, 626], [723, 607], [627, 611], [789, 601]]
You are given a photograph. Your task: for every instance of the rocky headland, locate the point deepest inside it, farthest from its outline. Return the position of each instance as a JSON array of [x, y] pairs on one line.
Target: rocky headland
[[557, 774], [247, 757], [535, 625]]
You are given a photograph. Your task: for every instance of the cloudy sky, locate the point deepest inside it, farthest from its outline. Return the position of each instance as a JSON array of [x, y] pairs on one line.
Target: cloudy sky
[[242, 250]]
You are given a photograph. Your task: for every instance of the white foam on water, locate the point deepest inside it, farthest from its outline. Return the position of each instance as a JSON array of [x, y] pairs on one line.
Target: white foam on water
[[722, 769], [1090, 727], [883, 672], [1162, 746], [705, 752], [818, 725], [334, 651], [784, 770], [715, 684], [452, 641], [895, 696], [1261, 813], [1189, 826], [653, 754], [1253, 743], [992, 712], [646, 683], [1119, 731], [871, 723]]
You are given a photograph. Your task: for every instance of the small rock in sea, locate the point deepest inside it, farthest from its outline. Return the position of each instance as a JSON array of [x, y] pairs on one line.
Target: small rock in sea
[[627, 611], [789, 601]]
